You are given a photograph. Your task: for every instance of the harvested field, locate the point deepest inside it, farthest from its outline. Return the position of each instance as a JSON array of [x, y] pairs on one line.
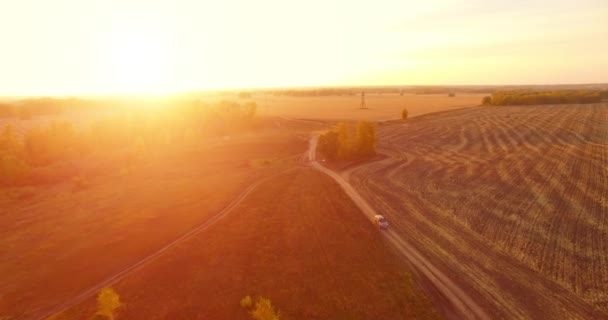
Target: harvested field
[[297, 240], [512, 202], [380, 106]]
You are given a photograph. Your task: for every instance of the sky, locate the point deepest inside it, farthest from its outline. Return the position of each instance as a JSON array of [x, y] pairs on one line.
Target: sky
[[70, 47]]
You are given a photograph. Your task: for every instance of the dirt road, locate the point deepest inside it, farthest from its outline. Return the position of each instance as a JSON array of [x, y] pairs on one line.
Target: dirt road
[[465, 305], [152, 257], [510, 202]]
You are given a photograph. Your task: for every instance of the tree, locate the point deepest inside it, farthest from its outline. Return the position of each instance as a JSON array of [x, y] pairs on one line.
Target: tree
[[366, 139], [348, 143], [328, 145], [107, 303], [530, 97], [344, 150], [404, 114]]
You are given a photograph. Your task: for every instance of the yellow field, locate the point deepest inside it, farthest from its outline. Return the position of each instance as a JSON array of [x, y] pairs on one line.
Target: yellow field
[[380, 106]]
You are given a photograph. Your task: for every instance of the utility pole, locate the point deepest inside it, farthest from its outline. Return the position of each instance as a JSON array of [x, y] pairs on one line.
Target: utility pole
[[363, 100]]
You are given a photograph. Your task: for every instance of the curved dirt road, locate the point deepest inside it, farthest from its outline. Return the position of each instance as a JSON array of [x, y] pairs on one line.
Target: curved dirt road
[[466, 307], [152, 257]]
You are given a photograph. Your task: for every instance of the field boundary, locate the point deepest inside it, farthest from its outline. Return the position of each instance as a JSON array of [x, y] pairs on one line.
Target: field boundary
[[466, 306]]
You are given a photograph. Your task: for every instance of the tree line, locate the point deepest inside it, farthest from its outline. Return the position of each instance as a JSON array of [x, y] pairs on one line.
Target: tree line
[[527, 97], [32, 158], [347, 142], [28, 108]]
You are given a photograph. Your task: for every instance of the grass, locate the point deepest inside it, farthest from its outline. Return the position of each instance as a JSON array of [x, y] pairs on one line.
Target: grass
[[56, 240], [297, 240]]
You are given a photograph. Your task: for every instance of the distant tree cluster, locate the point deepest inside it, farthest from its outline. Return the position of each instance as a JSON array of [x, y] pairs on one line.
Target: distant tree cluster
[[316, 92], [245, 95], [527, 97], [433, 90], [28, 108], [48, 154], [348, 143]]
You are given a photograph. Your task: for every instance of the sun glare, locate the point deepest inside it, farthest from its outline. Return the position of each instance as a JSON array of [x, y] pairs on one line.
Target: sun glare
[[137, 60]]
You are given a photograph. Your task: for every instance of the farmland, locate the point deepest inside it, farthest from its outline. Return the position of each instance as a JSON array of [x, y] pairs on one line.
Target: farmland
[[298, 240], [380, 106], [327, 108], [59, 240], [511, 201]]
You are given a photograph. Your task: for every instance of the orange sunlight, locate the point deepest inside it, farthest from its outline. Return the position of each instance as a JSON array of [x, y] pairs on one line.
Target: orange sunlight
[[68, 47], [136, 60]]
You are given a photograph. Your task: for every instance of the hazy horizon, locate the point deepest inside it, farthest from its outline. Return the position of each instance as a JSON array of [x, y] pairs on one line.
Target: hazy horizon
[[69, 47]]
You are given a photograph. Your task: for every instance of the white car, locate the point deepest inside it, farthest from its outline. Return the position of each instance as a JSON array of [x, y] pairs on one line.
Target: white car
[[380, 221]]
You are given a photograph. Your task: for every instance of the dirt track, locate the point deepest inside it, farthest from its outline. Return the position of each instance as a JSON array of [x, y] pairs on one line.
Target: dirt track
[[510, 202], [92, 291], [466, 307]]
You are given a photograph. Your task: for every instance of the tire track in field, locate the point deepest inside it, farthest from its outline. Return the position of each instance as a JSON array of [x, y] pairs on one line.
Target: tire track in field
[[525, 184], [154, 256], [466, 306]]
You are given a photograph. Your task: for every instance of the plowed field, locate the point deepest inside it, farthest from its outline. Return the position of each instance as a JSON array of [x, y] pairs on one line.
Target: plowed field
[[512, 202]]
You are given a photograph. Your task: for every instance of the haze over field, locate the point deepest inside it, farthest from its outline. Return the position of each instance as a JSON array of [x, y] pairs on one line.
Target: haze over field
[[125, 46], [285, 160]]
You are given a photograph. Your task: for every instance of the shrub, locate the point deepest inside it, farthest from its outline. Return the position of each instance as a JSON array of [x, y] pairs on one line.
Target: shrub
[[404, 114], [264, 310], [107, 303], [486, 101], [247, 302]]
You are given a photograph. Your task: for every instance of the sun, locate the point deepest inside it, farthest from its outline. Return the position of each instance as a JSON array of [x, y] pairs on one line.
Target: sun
[[137, 60]]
